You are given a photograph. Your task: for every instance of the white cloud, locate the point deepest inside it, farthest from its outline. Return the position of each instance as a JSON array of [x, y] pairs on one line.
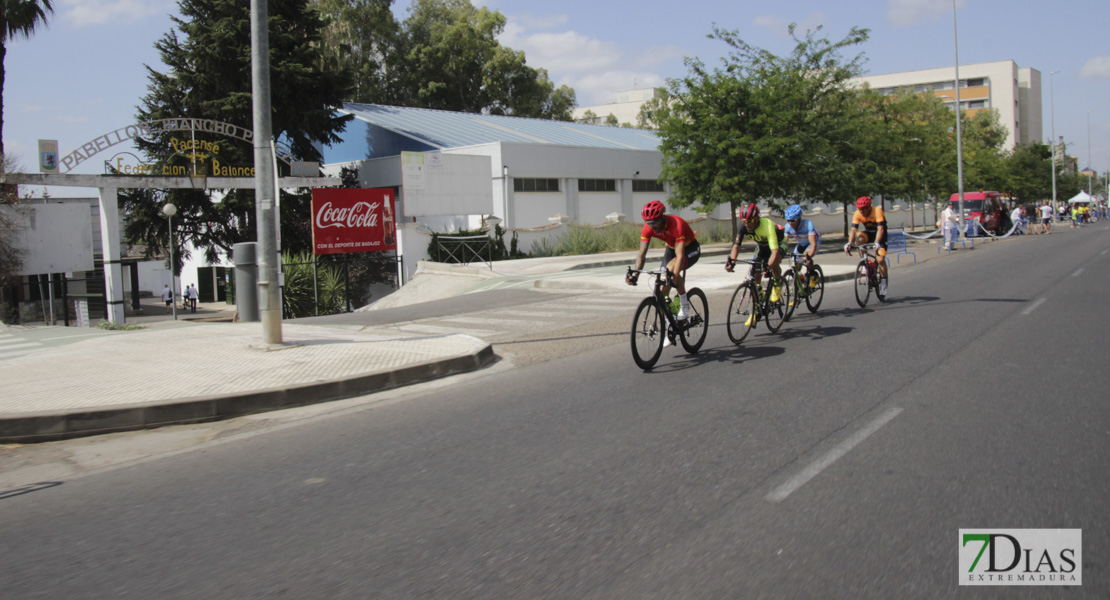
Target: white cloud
[[1096, 68], [775, 24], [596, 69], [83, 13], [781, 25], [904, 13]]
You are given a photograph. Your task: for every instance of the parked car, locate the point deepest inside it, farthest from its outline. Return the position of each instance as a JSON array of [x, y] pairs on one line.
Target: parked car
[[988, 207]]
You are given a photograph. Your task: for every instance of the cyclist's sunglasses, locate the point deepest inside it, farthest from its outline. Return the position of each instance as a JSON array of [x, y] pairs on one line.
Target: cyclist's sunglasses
[[752, 221], [793, 220]]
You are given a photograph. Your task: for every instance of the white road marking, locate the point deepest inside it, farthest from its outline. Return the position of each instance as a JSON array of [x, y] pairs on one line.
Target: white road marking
[[1104, 252], [1032, 307], [813, 469], [1077, 272], [438, 330], [6, 347]]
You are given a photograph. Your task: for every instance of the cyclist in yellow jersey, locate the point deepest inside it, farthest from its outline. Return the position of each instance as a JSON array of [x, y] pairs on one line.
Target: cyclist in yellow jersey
[[768, 236], [874, 231]]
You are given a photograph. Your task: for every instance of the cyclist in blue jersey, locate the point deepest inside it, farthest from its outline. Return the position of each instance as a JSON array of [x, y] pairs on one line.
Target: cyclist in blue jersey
[[809, 239]]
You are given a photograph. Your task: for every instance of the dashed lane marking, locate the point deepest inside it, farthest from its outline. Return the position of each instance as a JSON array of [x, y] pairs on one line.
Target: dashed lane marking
[[836, 453], [1032, 307]]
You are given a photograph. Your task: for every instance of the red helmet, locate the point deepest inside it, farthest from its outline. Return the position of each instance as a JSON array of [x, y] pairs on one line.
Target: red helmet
[[863, 202], [653, 210], [749, 212]]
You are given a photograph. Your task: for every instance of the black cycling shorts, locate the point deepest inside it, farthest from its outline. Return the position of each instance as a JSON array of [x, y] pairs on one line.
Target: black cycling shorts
[[693, 252]]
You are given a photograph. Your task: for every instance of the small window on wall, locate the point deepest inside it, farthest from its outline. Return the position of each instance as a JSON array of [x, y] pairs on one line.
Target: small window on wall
[[646, 185], [521, 184], [597, 185]]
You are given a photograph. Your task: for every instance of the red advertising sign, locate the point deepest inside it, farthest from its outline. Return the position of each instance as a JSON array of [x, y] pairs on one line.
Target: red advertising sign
[[352, 220]]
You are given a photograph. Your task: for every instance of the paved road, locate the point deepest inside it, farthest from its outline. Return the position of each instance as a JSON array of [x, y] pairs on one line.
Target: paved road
[[838, 458]]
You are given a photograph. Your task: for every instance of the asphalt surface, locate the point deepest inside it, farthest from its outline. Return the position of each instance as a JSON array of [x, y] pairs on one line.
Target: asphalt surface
[[838, 458]]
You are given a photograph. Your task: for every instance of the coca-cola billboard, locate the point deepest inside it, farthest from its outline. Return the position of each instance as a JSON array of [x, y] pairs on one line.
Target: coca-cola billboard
[[352, 220]]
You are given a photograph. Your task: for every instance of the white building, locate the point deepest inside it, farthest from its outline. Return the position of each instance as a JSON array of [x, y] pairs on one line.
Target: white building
[[528, 173], [626, 110], [1012, 91]]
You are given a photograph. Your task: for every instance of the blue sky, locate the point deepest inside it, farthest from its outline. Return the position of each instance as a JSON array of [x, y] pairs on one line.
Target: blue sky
[[84, 75]]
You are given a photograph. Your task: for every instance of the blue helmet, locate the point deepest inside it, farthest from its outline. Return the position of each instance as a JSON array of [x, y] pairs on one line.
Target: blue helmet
[[794, 212]]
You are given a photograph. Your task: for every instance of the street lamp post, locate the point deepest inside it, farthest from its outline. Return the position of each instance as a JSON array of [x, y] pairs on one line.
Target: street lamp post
[[1090, 160], [959, 136], [1052, 95], [170, 210]]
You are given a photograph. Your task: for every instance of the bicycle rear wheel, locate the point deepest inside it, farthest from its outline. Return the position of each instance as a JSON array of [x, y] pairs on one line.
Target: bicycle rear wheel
[[696, 326], [741, 315], [794, 293], [815, 284], [774, 313], [863, 284], [647, 334]]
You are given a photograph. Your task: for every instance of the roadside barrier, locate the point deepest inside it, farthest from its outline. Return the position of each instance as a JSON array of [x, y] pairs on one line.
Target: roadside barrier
[[896, 242]]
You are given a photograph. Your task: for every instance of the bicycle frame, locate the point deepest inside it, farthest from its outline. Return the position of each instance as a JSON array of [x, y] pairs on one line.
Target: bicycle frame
[[663, 280]]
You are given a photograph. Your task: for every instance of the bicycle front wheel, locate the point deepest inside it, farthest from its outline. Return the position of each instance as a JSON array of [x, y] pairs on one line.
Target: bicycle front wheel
[[741, 312], [863, 284], [696, 326], [793, 293], [774, 313], [815, 288], [879, 285], [647, 334]]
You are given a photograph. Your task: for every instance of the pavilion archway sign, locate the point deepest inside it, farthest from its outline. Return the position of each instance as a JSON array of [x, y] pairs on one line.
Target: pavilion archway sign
[[109, 185], [150, 129]]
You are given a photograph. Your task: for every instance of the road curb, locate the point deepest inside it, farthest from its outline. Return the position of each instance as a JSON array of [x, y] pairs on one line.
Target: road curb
[[59, 425]]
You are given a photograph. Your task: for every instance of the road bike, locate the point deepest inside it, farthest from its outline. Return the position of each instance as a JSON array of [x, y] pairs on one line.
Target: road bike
[[807, 281], [752, 301], [655, 321], [867, 275]]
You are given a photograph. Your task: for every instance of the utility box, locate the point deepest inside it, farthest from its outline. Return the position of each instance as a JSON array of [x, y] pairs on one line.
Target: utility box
[[245, 256]]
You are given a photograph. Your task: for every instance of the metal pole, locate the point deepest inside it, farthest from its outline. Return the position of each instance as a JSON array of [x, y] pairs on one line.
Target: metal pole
[[173, 276], [1052, 92], [269, 298], [1090, 159], [959, 137]]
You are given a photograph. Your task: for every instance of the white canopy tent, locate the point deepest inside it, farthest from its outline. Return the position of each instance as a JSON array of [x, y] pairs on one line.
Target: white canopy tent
[[1081, 198]]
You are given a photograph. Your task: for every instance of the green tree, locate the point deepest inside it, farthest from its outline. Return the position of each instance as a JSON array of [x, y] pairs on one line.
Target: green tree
[[18, 19], [208, 75], [363, 38], [444, 56], [984, 164], [1029, 173], [759, 127]]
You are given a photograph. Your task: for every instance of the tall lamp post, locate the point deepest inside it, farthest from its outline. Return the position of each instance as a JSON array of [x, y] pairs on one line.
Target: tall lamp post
[[170, 210], [959, 137], [1052, 108], [1090, 160]]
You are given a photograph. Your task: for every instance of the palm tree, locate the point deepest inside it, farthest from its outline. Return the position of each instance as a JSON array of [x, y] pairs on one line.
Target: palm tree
[[18, 19]]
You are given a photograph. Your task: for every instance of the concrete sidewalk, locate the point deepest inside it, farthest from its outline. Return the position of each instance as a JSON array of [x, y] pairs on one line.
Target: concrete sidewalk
[[185, 371]]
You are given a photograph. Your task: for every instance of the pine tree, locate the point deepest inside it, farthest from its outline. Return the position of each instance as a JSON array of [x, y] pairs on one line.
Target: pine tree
[[207, 75]]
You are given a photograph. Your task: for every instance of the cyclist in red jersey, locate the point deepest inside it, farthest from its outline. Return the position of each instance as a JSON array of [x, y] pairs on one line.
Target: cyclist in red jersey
[[682, 250]]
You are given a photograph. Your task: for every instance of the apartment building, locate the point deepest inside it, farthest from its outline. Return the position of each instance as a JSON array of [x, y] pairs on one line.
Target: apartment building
[[1014, 92]]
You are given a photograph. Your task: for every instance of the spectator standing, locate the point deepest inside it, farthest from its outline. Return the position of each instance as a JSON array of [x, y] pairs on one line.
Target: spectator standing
[[1017, 218], [1046, 218], [950, 224], [167, 297]]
